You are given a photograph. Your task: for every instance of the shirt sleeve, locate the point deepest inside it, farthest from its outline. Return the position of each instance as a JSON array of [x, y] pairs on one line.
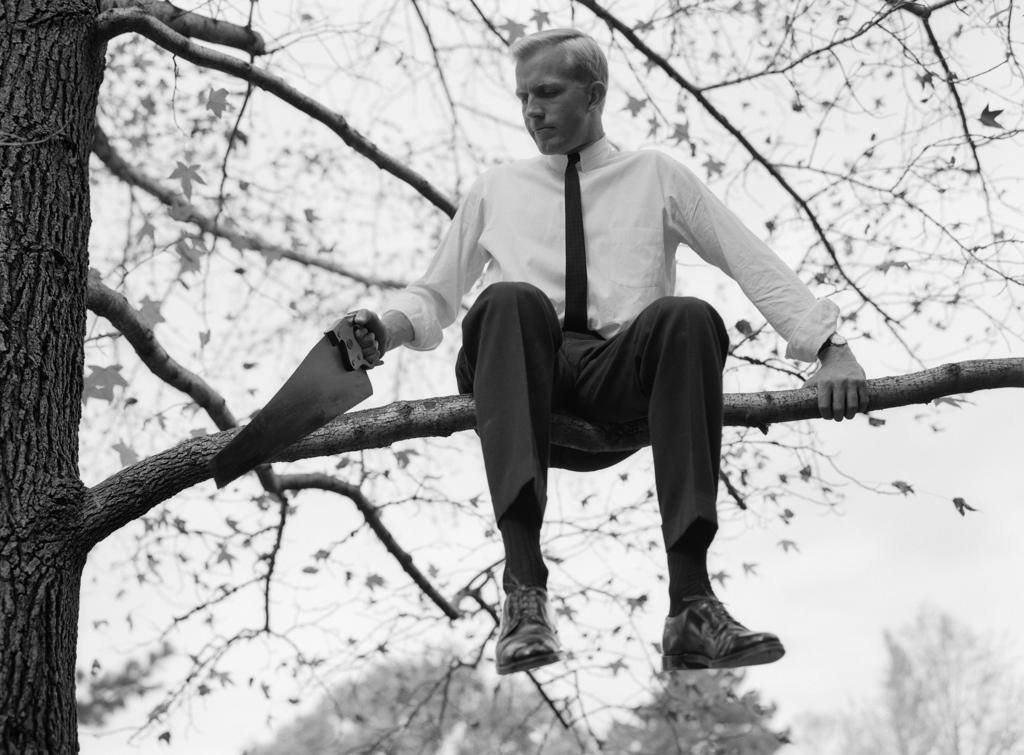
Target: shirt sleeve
[[432, 302], [714, 232]]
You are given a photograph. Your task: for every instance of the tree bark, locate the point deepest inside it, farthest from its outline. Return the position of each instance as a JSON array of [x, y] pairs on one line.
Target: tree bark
[[52, 67]]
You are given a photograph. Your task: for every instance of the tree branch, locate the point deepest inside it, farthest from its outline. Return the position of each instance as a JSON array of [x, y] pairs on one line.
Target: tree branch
[[121, 21], [369, 512], [195, 25], [106, 302], [131, 492], [131, 175]]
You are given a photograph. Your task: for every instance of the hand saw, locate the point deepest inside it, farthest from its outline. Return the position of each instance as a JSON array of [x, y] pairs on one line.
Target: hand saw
[[329, 381]]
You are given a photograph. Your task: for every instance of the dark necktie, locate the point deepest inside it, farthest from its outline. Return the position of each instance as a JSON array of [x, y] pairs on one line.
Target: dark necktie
[[575, 252]]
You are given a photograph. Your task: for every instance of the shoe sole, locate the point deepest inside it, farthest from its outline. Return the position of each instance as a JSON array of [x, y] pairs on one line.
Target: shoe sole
[[765, 652], [530, 662]]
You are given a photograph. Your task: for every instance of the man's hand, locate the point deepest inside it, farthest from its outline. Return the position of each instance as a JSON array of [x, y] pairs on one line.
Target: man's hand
[[371, 334], [842, 387]]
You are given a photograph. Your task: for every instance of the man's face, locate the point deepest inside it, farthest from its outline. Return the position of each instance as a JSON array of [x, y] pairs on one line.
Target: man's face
[[561, 113]]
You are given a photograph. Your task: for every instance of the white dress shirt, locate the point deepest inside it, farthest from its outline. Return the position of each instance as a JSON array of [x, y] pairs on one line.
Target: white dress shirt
[[638, 207]]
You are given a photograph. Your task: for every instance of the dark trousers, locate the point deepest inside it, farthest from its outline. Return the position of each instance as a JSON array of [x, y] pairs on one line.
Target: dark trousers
[[666, 366]]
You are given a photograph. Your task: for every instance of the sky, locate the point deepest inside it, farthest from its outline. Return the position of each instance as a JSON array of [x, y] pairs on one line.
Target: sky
[[862, 568]]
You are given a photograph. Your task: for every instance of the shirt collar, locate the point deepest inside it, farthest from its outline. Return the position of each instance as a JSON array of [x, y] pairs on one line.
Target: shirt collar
[[591, 157]]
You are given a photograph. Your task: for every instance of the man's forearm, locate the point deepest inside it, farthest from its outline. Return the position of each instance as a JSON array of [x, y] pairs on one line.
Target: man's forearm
[[400, 330]]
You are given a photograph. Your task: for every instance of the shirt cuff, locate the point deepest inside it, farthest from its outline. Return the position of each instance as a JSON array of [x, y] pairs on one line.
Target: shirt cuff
[[425, 326], [817, 324]]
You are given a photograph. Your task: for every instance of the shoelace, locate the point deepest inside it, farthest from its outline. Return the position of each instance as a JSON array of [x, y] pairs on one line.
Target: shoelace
[[717, 609], [529, 603]]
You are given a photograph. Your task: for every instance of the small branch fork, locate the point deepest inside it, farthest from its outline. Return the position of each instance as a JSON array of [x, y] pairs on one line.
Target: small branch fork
[[194, 25], [117, 21], [369, 512], [133, 176]]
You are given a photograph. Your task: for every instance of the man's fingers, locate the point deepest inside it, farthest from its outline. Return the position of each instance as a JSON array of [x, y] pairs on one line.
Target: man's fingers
[[852, 400], [825, 400], [862, 392], [838, 402]]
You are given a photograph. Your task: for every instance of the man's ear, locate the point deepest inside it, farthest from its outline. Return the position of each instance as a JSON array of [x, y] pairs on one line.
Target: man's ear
[[595, 95]]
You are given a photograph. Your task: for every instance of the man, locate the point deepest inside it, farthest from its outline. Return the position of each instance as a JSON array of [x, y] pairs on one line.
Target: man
[[576, 248]]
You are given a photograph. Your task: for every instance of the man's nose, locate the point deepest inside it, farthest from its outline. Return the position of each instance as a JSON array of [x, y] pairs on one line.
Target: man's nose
[[531, 109]]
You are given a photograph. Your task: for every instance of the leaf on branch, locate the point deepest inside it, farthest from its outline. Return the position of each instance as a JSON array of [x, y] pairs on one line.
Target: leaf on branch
[[951, 400], [786, 545], [186, 174], [180, 210], [962, 506], [925, 79], [988, 117], [903, 487], [126, 454], [680, 132], [637, 602], [217, 102], [189, 255], [885, 266], [224, 555], [402, 457], [100, 382], [720, 577], [749, 568], [744, 328], [374, 580], [713, 166], [165, 737], [149, 312], [876, 421], [146, 232], [514, 29], [541, 18], [634, 105]]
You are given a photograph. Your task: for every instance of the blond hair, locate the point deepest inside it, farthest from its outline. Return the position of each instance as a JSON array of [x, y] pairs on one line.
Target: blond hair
[[583, 57]]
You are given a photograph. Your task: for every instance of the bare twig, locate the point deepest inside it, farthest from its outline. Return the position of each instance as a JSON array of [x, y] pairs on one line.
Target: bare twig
[[133, 176], [369, 512], [121, 21]]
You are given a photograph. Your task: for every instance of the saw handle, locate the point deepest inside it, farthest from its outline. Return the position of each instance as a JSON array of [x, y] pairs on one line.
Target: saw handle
[[342, 335]]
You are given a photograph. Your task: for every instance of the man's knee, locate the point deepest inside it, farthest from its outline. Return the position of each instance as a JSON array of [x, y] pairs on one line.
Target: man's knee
[[510, 292], [686, 317]]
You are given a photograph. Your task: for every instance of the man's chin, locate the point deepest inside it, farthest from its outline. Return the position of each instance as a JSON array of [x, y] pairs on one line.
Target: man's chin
[[548, 146]]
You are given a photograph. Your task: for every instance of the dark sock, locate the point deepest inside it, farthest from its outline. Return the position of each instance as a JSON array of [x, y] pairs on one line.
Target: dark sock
[[688, 567], [520, 532]]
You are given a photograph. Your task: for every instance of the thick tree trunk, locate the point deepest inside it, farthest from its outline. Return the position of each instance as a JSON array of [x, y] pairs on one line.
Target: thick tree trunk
[[39, 589], [50, 70]]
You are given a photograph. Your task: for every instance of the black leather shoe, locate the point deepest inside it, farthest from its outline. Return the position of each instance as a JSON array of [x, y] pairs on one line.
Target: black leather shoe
[[527, 638], [704, 635]]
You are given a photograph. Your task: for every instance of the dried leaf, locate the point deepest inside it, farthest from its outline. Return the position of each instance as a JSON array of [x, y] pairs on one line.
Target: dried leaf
[[217, 102]]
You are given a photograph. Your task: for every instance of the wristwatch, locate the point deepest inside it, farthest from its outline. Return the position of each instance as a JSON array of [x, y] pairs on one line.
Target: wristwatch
[[833, 340]]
